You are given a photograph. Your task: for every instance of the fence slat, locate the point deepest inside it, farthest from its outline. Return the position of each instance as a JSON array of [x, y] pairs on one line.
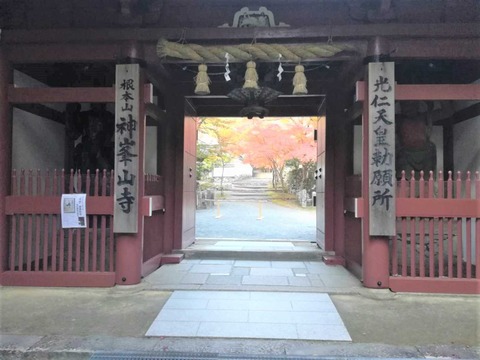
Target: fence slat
[[46, 218], [421, 184], [78, 238], [13, 229], [61, 188], [86, 256], [404, 246], [21, 237], [38, 232], [13, 243], [29, 224], [112, 239], [38, 221], [29, 242], [403, 194], [441, 195], [95, 224], [413, 239], [112, 246], [61, 254], [69, 249], [394, 255], [54, 224], [468, 233], [394, 252], [30, 183], [103, 232], [450, 227], [477, 226], [458, 195], [431, 229]]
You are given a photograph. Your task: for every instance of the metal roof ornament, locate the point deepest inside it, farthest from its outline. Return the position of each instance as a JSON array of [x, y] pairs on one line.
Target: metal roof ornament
[[254, 18]]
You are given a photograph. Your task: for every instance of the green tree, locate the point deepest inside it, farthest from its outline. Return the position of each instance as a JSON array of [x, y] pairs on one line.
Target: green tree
[[215, 153]]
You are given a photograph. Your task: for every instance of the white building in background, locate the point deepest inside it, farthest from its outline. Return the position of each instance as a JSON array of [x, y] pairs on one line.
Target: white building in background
[[235, 168]]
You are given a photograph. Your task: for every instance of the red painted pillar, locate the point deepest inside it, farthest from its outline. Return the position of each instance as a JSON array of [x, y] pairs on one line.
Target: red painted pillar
[[179, 116], [6, 78], [129, 247], [172, 155], [375, 258]]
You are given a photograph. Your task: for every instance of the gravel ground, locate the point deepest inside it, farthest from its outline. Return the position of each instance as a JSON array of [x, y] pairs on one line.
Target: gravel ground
[[240, 220]]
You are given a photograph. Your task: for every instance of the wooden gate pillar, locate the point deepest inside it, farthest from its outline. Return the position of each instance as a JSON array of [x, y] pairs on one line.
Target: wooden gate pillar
[[375, 257], [335, 177], [129, 245], [6, 78], [172, 168]]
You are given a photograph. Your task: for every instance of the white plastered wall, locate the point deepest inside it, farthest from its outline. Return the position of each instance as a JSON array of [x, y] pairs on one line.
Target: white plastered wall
[[38, 143], [466, 156], [151, 141], [151, 150]]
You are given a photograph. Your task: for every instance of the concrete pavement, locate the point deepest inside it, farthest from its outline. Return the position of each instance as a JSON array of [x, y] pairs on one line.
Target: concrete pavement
[[76, 323], [61, 323]]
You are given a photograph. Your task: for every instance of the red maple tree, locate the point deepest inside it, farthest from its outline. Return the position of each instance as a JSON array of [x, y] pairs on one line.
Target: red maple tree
[[270, 143]]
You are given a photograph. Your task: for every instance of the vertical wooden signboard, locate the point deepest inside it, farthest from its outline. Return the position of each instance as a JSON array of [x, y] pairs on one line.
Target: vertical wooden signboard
[[381, 98], [127, 97]]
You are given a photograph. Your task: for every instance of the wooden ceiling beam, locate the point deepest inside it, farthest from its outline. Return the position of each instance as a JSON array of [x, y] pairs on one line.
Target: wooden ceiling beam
[[436, 48], [337, 32], [43, 111], [61, 95], [274, 111], [43, 95], [81, 52], [467, 113], [282, 100], [50, 53], [429, 92]]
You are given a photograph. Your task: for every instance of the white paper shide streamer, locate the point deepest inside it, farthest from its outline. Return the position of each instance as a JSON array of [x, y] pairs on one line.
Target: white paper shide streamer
[[227, 67], [280, 67]]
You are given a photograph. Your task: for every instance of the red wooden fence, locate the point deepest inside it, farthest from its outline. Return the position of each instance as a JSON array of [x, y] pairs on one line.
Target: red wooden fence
[[41, 252], [438, 225]]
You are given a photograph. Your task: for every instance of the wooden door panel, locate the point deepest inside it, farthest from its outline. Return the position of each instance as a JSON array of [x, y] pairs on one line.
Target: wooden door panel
[[320, 184], [189, 182]]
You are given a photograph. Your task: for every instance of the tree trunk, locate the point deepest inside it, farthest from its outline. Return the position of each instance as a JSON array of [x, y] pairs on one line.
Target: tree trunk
[[274, 176], [221, 177], [282, 180]]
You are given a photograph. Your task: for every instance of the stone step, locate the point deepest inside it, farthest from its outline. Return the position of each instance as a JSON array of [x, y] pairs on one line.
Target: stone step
[[250, 192], [254, 255], [241, 249], [249, 189], [250, 197]]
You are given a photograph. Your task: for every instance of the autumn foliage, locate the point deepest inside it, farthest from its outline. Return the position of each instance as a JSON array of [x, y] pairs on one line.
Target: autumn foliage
[[265, 143]]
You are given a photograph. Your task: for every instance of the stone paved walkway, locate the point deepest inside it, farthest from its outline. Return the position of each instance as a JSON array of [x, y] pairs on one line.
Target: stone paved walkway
[[251, 315], [249, 275]]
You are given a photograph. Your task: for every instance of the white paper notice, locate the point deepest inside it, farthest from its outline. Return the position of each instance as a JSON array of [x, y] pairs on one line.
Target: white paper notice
[[74, 213]]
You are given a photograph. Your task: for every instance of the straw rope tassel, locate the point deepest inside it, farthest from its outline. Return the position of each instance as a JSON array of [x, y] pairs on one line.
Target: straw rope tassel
[[300, 81], [251, 76], [202, 81]]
